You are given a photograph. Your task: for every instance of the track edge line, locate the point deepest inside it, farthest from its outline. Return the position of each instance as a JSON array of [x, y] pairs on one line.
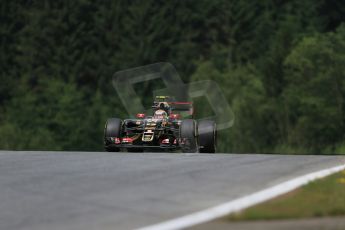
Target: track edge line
[[243, 202]]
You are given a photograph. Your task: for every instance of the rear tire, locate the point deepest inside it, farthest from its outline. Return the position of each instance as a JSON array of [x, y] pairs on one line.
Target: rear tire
[[207, 136], [188, 132], [112, 129]]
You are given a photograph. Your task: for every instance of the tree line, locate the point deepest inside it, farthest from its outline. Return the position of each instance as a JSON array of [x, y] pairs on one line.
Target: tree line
[[279, 63]]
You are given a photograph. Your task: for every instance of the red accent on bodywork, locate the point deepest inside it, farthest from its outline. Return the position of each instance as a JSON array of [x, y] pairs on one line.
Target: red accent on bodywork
[[117, 140], [174, 116], [140, 115], [127, 140], [165, 141]]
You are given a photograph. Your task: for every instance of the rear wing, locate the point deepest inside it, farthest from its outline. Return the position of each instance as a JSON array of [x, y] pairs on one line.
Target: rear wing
[[185, 109], [168, 103]]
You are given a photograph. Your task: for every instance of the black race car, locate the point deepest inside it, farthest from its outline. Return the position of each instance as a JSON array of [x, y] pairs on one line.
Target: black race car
[[171, 127]]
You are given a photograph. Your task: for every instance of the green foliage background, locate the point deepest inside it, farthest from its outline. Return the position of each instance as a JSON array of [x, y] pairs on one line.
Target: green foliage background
[[281, 65]]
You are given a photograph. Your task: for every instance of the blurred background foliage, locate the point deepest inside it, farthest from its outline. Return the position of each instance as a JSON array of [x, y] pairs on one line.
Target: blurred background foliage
[[281, 65]]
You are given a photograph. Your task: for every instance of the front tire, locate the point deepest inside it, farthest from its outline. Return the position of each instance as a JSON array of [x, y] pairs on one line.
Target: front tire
[[112, 130], [207, 136], [188, 133]]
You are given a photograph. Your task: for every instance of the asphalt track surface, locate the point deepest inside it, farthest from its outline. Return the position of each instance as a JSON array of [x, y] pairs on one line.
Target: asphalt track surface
[[89, 190]]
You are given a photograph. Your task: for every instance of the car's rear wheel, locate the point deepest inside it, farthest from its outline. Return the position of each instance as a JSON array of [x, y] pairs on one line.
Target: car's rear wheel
[[112, 130], [188, 136], [207, 136]]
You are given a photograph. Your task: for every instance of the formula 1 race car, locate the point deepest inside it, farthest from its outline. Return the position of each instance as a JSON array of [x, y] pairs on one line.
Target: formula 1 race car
[[165, 130]]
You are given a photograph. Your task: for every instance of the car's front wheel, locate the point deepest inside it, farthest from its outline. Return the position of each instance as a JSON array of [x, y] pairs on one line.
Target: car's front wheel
[[112, 130], [207, 136], [188, 136]]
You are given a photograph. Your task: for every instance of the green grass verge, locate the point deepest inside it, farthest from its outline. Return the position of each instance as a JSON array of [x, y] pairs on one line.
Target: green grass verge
[[324, 197]]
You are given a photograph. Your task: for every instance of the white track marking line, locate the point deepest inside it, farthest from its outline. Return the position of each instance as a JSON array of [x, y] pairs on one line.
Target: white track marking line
[[241, 203]]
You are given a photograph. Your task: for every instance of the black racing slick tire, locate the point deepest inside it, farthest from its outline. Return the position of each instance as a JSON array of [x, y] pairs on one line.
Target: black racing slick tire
[[207, 136], [112, 129], [188, 135]]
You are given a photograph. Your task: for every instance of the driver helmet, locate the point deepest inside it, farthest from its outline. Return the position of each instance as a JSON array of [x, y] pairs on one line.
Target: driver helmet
[[160, 114]]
